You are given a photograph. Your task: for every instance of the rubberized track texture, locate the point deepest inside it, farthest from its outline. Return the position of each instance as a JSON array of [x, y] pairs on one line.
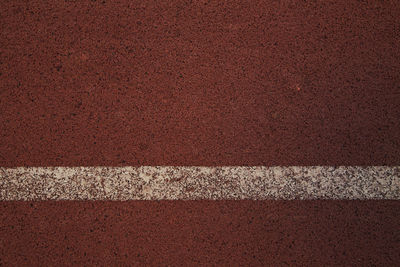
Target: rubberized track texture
[[213, 104]]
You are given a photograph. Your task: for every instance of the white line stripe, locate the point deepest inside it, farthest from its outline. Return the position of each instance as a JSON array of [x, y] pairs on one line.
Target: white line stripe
[[171, 183]]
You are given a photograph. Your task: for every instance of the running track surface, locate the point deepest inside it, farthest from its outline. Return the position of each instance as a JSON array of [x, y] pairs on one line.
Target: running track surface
[[129, 83]]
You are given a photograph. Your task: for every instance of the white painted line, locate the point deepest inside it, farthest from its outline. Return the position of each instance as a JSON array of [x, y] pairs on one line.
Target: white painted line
[[186, 183]]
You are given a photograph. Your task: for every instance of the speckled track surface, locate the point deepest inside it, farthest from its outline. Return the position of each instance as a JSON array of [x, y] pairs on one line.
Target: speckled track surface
[[200, 233], [199, 83], [101, 83]]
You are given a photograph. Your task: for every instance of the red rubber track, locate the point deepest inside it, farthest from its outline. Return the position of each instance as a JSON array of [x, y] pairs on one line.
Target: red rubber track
[[206, 83], [198, 233]]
